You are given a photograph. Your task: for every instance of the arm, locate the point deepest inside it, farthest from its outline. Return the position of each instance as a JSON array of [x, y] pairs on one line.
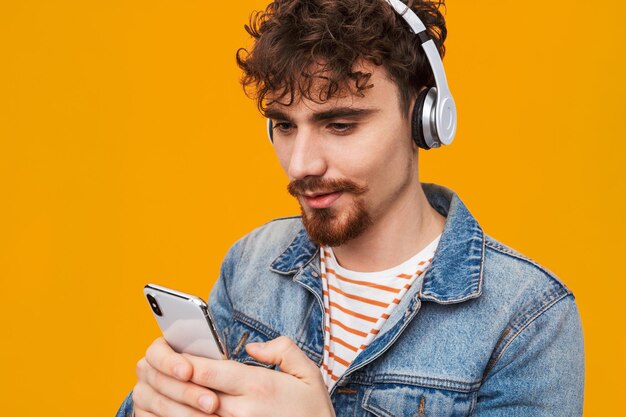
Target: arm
[[220, 305], [541, 372]]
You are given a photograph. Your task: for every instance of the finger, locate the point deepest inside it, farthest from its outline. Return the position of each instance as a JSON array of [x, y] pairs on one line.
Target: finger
[[181, 392], [223, 375], [283, 352], [142, 413], [161, 357], [234, 405], [147, 400]]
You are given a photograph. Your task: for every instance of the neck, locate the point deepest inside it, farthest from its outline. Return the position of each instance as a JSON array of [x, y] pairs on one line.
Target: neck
[[395, 236]]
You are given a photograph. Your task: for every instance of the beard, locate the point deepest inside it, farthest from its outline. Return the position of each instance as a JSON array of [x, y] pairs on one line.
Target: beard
[[330, 226]]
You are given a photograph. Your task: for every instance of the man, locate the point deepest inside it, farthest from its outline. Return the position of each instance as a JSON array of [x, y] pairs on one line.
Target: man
[[385, 298]]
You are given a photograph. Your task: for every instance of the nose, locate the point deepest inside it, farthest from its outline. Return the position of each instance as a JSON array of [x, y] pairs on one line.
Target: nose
[[307, 156]]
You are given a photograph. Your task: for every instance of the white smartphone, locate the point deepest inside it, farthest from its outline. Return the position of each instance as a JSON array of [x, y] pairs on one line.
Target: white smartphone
[[185, 322]]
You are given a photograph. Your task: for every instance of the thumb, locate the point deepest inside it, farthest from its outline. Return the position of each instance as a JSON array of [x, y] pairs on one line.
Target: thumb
[[283, 352]]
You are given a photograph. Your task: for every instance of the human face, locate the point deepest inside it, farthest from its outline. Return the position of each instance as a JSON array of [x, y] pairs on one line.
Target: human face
[[349, 160]]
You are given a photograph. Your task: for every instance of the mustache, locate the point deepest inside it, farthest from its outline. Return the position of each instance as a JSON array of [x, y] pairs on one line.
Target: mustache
[[318, 184]]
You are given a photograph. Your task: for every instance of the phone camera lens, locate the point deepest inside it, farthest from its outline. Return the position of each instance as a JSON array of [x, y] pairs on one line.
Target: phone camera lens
[[154, 305]]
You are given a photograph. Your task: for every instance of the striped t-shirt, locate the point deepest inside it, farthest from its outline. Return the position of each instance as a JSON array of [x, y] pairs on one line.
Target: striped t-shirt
[[358, 303]]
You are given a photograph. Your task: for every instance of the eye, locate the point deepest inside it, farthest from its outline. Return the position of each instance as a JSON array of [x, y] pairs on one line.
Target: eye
[[341, 128], [283, 127]]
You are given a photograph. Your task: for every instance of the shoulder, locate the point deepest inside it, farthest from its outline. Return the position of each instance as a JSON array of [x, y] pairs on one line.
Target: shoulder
[[521, 291], [251, 255], [254, 289], [266, 241], [507, 270], [277, 228], [275, 235]]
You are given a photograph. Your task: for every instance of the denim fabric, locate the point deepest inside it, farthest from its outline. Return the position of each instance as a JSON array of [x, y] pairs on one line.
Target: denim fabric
[[484, 332]]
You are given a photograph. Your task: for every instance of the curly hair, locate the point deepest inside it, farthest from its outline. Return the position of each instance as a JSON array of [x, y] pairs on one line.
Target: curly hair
[[309, 48]]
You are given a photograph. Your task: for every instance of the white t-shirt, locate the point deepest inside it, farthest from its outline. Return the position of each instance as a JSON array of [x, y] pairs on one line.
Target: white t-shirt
[[357, 304]]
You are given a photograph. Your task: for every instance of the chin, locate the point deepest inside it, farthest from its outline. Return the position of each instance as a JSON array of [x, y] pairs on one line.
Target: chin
[[333, 227]]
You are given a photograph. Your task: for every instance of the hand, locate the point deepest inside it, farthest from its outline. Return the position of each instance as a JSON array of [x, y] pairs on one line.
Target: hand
[[252, 391], [163, 388]]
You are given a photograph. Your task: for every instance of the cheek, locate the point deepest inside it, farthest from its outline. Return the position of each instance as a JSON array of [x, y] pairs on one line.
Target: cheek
[[386, 171], [384, 162], [375, 173]]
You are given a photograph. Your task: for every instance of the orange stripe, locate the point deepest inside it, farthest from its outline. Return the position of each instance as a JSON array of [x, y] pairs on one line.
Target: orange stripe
[[366, 284], [405, 276], [344, 343], [330, 373], [338, 359], [353, 313], [341, 361], [357, 297], [347, 328]]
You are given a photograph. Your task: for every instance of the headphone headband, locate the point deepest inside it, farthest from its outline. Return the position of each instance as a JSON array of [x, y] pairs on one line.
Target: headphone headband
[[445, 109]]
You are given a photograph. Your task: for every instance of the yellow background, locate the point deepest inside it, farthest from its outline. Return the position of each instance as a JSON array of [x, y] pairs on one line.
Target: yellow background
[[128, 154]]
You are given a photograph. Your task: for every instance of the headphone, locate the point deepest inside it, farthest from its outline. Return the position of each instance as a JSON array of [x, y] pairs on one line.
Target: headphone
[[433, 121]]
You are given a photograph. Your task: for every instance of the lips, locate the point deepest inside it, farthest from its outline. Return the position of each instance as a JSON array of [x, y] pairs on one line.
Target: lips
[[319, 200]]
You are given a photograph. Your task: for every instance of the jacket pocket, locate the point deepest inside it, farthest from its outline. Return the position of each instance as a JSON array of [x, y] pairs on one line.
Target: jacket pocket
[[401, 400], [244, 330]]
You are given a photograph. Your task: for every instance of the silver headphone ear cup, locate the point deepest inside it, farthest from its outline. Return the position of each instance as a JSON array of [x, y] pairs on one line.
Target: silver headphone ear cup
[[428, 119], [270, 131], [417, 129]]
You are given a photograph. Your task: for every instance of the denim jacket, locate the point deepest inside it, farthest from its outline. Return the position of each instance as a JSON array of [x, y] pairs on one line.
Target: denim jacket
[[485, 331]]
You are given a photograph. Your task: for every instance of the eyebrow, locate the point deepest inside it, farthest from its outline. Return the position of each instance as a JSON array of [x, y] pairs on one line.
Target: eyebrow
[[338, 112]]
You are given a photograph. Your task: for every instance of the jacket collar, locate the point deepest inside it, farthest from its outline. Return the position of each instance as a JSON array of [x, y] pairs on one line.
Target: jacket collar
[[456, 271]]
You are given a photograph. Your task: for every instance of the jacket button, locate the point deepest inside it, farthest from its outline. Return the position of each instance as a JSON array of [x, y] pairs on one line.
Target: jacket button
[[315, 274]]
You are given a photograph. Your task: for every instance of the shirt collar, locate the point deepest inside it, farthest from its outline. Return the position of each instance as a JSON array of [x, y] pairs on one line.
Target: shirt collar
[[456, 271]]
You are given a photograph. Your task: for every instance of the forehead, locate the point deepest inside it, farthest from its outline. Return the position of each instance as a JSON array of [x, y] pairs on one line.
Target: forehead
[[381, 91]]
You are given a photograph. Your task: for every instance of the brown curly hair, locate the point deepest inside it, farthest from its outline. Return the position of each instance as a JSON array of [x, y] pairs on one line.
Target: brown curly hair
[[301, 42]]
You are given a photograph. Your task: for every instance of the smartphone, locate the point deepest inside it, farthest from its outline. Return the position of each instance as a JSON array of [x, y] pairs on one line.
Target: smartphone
[[185, 322]]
